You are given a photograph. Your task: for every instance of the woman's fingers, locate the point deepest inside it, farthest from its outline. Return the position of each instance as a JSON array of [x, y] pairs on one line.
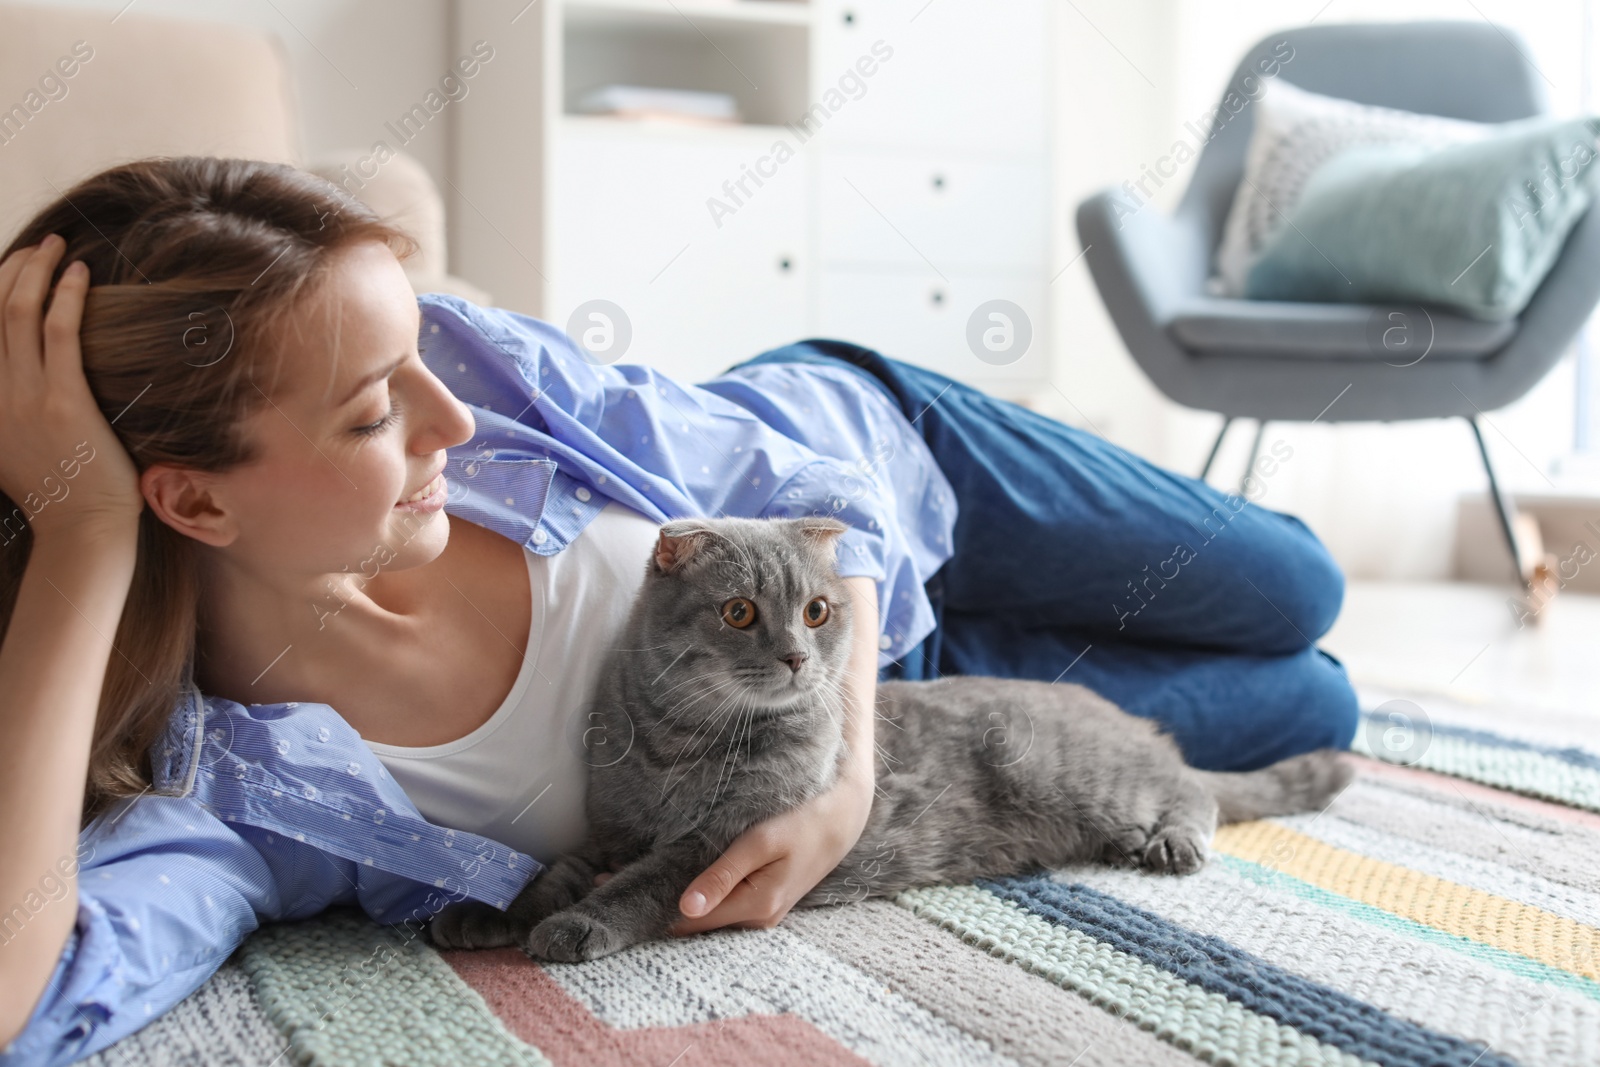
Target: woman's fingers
[[750, 851], [755, 902], [743, 887], [63, 355], [24, 310], [9, 269]]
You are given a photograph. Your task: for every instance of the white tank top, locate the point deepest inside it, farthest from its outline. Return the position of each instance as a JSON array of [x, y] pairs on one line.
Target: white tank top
[[520, 778]]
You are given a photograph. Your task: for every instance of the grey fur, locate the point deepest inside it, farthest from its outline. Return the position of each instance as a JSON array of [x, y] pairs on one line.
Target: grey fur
[[975, 776]]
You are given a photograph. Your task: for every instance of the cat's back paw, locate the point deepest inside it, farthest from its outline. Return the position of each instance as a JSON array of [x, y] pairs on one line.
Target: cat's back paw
[[572, 937], [1176, 848], [473, 924]]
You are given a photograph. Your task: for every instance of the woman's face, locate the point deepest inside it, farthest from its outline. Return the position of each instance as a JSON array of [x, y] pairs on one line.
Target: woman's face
[[356, 425]]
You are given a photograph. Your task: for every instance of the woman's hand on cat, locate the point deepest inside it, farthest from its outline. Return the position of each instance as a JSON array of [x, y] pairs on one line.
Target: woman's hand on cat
[[776, 862]]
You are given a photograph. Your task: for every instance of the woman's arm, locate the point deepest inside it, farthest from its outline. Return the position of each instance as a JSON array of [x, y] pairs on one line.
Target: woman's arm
[[166, 890], [777, 861], [53, 659], [171, 883], [52, 665]]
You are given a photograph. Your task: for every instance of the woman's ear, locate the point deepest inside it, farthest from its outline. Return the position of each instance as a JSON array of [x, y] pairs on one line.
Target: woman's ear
[[183, 498]]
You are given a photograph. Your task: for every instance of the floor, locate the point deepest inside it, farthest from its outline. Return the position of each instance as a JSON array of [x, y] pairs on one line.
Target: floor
[[1461, 643]]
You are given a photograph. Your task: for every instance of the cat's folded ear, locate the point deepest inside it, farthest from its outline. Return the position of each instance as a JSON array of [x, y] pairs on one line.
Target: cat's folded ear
[[679, 542], [822, 532]]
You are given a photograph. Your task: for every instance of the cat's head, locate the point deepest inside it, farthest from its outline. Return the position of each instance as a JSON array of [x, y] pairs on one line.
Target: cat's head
[[754, 609]]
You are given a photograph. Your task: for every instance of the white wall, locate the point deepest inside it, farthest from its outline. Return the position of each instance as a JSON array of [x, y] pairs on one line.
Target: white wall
[[1382, 496], [1128, 73], [356, 64]]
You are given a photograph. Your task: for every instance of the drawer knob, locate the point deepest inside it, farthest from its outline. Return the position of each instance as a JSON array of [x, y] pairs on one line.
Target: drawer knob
[[785, 263], [849, 18], [938, 181], [937, 296]]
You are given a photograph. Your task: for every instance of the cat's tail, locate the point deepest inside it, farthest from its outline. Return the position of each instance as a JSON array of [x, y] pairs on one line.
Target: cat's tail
[[1299, 783]]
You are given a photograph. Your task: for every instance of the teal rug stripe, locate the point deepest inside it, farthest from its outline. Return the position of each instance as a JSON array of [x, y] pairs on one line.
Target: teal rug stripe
[[1519, 770], [1217, 966], [1495, 957], [1202, 1023], [1578, 757], [344, 991]]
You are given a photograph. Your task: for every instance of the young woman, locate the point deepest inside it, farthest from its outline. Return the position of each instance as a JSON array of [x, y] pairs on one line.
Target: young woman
[[305, 580]]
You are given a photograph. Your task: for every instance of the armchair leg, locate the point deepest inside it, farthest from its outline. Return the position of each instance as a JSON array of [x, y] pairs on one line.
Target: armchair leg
[[1502, 506], [1255, 450], [1216, 446]]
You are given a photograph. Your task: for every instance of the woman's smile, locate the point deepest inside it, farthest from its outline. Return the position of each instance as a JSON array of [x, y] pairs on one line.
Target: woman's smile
[[430, 497]]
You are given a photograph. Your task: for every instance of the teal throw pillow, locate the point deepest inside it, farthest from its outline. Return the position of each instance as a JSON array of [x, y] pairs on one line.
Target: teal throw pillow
[[1473, 226]]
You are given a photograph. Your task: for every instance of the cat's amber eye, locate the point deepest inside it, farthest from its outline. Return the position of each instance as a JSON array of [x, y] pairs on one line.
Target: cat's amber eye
[[815, 613], [739, 612]]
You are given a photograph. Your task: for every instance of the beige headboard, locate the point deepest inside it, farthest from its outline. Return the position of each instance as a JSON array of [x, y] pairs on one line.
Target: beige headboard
[[140, 86]]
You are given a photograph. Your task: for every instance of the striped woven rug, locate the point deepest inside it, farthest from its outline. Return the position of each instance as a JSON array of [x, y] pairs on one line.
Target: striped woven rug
[[1444, 910]]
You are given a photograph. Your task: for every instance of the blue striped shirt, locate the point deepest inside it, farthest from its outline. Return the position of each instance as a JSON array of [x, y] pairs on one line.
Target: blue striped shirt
[[263, 812]]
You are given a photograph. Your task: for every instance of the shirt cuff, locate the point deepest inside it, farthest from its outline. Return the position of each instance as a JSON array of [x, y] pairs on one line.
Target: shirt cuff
[[79, 1000]]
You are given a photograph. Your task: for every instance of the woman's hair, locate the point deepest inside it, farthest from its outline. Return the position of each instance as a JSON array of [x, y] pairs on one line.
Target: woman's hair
[[194, 265]]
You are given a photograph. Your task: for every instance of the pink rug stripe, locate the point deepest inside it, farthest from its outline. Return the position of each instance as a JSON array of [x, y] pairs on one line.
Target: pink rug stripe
[[1473, 791], [535, 1008]]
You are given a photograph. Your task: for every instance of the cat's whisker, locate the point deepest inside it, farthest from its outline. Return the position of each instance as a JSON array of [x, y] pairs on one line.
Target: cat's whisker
[[693, 699], [833, 687], [746, 722], [731, 715], [717, 717], [885, 756], [707, 724], [671, 665], [731, 753], [692, 679], [694, 695]]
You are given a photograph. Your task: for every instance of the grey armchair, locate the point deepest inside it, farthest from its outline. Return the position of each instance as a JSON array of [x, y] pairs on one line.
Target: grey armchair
[[1305, 362]]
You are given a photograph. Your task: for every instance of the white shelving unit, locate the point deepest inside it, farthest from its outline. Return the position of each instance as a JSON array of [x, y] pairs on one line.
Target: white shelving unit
[[889, 175]]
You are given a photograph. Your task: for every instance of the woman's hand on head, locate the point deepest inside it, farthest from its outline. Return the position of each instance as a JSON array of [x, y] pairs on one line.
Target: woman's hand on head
[[60, 461]]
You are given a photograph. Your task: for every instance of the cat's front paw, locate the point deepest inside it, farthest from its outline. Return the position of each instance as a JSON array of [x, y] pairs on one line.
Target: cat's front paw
[[1175, 849], [472, 924], [572, 937]]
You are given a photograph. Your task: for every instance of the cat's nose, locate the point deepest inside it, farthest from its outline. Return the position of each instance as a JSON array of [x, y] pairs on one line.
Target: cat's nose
[[794, 660]]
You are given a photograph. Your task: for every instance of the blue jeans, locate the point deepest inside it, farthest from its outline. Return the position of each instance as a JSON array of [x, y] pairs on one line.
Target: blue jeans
[[1076, 560]]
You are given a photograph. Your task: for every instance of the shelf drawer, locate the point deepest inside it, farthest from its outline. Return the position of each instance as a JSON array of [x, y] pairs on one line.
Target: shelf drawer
[[700, 291], [917, 317], [962, 74], [910, 210]]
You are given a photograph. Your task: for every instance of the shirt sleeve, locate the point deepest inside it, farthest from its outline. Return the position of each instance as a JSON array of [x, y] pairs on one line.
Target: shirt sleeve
[[166, 892], [664, 448]]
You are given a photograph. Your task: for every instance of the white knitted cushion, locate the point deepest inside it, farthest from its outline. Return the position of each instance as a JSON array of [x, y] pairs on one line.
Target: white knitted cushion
[[1295, 133]]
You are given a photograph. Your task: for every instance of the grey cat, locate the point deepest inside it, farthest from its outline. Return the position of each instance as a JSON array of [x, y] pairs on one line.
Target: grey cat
[[726, 692]]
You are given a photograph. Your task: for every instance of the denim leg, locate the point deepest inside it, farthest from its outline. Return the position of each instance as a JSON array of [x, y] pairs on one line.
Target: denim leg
[[1060, 528], [1226, 711]]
